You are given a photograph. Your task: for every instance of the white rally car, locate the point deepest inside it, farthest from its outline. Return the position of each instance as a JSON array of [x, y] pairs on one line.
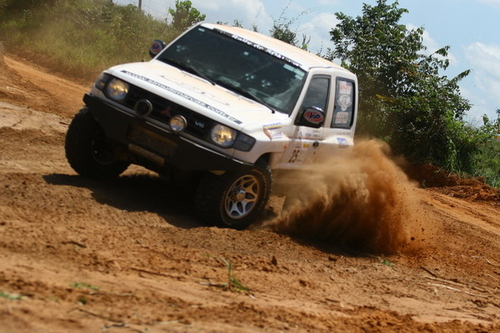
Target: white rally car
[[225, 108]]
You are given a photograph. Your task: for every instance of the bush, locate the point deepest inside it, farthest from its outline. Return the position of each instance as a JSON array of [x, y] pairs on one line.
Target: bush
[[404, 99], [487, 162]]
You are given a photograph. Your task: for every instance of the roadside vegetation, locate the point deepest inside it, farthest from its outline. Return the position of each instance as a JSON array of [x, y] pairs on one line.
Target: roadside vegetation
[[82, 37], [405, 98]]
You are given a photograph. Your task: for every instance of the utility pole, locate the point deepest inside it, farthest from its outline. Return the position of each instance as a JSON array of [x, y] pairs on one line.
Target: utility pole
[[140, 4]]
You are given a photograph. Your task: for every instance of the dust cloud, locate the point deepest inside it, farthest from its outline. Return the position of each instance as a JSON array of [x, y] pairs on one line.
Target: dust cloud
[[360, 199]]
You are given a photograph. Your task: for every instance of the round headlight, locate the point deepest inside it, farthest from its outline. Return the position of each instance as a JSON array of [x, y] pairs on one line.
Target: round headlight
[[117, 89], [177, 123], [223, 135]]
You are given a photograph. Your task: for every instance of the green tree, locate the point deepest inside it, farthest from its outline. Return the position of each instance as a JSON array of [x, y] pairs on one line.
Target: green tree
[[184, 15], [281, 30], [403, 98]]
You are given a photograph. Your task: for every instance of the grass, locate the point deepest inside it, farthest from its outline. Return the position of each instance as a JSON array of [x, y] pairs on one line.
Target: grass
[[232, 284], [82, 37], [11, 296], [83, 300], [386, 262], [82, 285]]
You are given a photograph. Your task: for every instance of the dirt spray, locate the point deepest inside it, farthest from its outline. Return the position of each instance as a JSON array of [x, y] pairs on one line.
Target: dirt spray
[[360, 199]]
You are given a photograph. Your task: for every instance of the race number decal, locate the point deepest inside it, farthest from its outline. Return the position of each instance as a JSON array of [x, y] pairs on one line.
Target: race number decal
[[295, 156]]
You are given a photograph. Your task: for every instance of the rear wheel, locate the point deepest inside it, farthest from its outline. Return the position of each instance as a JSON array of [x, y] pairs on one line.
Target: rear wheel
[[235, 199], [88, 151]]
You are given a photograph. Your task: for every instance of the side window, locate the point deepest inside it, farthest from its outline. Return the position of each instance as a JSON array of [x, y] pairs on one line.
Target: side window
[[317, 93], [344, 103]]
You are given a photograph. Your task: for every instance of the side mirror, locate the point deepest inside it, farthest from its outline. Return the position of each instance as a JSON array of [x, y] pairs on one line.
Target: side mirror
[[156, 47], [311, 117]]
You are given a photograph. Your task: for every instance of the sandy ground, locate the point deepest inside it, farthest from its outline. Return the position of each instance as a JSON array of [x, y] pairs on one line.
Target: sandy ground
[[128, 255]]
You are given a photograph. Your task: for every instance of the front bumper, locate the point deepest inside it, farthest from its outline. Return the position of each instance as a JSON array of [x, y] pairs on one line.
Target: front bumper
[[154, 143]]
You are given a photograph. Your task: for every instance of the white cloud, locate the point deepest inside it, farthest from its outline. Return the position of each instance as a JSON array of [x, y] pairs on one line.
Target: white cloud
[[485, 58], [493, 3], [484, 61], [329, 2], [318, 29], [247, 12], [485, 65]]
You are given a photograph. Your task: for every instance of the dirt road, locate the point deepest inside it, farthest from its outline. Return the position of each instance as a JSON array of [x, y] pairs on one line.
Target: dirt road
[[128, 255]]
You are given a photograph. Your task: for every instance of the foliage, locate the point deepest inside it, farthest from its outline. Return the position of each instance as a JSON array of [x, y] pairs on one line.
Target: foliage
[[281, 30], [492, 127], [184, 15], [403, 98], [18, 6], [487, 160]]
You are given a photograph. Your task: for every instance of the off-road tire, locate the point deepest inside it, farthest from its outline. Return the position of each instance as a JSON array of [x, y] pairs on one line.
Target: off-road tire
[[88, 151], [235, 199]]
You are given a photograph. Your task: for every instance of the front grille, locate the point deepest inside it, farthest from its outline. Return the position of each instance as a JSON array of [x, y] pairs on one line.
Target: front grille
[[164, 109]]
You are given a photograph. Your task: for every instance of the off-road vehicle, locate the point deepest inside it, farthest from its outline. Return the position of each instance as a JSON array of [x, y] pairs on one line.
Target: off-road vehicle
[[225, 108]]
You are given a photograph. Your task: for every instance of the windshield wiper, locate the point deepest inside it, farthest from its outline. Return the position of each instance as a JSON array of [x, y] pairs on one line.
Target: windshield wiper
[[244, 93], [189, 69]]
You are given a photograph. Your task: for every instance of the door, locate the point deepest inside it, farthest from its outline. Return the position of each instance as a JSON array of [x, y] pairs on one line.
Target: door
[[305, 140], [339, 129]]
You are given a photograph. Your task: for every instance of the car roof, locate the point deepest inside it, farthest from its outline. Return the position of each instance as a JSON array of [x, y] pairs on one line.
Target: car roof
[[303, 58]]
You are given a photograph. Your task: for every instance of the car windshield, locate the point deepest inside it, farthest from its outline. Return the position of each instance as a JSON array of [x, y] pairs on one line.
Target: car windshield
[[239, 66]]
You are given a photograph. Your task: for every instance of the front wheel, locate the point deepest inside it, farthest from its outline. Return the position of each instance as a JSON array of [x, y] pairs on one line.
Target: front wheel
[[88, 151], [235, 199]]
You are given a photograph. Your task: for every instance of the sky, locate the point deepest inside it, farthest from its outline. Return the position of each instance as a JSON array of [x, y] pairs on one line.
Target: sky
[[470, 27]]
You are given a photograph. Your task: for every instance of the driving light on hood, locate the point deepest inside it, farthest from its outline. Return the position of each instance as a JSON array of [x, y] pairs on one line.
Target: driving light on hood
[[177, 123]]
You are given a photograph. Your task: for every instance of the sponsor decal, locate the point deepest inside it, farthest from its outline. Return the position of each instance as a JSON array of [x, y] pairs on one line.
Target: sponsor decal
[[342, 142], [156, 48], [314, 116], [314, 135], [317, 133], [344, 99], [345, 88], [273, 131], [183, 95], [259, 47], [341, 117]]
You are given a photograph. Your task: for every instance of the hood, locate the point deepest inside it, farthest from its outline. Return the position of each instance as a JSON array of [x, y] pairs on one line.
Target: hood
[[196, 93]]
